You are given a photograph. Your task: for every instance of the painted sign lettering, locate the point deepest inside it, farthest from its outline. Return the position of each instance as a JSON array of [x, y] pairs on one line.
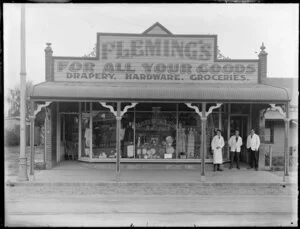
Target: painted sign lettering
[[160, 59]]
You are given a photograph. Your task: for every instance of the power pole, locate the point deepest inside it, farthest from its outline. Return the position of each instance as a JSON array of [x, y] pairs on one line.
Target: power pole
[[23, 175]]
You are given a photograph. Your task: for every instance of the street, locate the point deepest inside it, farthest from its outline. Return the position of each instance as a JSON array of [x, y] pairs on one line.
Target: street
[[80, 209]]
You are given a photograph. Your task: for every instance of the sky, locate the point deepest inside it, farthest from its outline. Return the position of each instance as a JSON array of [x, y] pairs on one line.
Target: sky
[[72, 28]]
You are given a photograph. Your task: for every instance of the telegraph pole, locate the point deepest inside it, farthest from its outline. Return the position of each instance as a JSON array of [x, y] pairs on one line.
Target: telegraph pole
[[23, 175]]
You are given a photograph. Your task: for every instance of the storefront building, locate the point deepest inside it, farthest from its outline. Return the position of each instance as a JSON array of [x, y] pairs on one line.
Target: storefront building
[[154, 97]]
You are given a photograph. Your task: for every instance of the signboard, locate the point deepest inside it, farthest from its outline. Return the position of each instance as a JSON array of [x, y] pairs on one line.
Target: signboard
[[155, 59]]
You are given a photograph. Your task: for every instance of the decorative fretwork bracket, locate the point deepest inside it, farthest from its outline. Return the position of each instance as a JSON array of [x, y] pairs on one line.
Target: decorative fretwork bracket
[[111, 108], [127, 107], [39, 109], [277, 108], [200, 112]]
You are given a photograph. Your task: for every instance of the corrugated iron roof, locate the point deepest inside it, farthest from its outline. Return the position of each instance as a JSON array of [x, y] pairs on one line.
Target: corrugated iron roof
[[165, 92], [291, 84]]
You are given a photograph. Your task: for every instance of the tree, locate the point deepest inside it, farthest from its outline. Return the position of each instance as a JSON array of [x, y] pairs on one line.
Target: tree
[[13, 99]]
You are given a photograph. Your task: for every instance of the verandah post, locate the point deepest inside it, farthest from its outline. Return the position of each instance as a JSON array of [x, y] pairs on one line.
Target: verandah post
[[286, 143], [203, 140], [118, 118], [32, 117]]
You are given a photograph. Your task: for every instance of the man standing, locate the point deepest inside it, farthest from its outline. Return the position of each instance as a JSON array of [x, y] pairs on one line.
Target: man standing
[[235, 143], [217, 144], [253, 143]]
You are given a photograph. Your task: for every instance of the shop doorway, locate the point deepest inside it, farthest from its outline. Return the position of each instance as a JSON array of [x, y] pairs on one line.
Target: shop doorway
[[240, 122], [69, 137]]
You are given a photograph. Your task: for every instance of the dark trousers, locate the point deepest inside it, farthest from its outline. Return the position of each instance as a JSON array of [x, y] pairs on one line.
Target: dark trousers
[[237, 156], [250, 158], [254, 158], [123, 152]]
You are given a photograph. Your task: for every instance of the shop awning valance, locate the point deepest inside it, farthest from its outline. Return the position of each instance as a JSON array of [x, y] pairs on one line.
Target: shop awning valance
[[160, 92]]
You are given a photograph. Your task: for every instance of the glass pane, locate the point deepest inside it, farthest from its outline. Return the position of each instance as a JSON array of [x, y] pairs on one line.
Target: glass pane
[[189, 135], [104, 135], [212, 126], [155, 134], [127, 135], [85, 135]]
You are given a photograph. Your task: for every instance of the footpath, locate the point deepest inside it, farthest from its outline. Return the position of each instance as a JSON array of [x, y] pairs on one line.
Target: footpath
[[155, 180]]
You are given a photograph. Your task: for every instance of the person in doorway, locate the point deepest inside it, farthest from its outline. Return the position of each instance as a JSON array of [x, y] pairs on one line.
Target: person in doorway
[[253, 143], [217, 144], [235, 143]]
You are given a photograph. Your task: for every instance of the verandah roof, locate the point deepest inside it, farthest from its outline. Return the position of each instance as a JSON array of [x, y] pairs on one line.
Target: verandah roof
[[160, 92]]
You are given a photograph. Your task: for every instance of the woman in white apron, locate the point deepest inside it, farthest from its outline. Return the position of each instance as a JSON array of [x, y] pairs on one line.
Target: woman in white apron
[[217, 144]]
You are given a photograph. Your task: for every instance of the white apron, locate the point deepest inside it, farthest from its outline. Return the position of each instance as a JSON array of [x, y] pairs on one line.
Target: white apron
[[217, 153]]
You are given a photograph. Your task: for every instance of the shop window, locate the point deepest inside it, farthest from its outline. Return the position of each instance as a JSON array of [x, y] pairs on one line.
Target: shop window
[[127, 135], [211, 131], [85, 135], [104, 135], [269, 131], [155, 133], [189, 135]]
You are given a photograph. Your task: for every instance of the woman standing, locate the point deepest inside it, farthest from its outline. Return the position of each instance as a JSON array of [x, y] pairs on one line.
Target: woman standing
[[217, 144]]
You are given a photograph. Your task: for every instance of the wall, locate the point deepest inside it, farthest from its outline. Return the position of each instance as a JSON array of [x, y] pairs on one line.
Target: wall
[[278, 146], [50, 142]]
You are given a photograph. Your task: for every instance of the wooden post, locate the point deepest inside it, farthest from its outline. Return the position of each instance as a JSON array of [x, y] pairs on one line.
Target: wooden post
[[64, 129], [270, 156], [91, 132], [22, 174], [45, 139], [57, 133], [286, 143], [79, 131], [134, 134], [177, 126], [228, 131], [220, 118], [250, 119], [32, 138], [118, 118], [203, 140]]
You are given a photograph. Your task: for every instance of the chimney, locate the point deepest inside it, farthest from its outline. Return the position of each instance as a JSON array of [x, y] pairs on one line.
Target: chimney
[[48, 62], [262, 64]]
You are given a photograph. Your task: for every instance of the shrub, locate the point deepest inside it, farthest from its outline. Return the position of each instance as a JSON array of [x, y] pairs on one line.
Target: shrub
[[12, 138]]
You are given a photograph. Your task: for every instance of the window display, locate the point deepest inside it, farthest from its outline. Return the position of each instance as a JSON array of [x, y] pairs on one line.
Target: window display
[[104, 135], [148, 131], [127, 151], [155, 134], [85, 135], [189, 135], [191, 143]]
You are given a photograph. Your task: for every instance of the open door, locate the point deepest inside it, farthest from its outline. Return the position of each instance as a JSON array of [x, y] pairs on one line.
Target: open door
[[240, 123]]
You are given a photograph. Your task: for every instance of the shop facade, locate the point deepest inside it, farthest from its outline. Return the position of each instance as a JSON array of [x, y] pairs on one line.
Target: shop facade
[[153, 97]]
